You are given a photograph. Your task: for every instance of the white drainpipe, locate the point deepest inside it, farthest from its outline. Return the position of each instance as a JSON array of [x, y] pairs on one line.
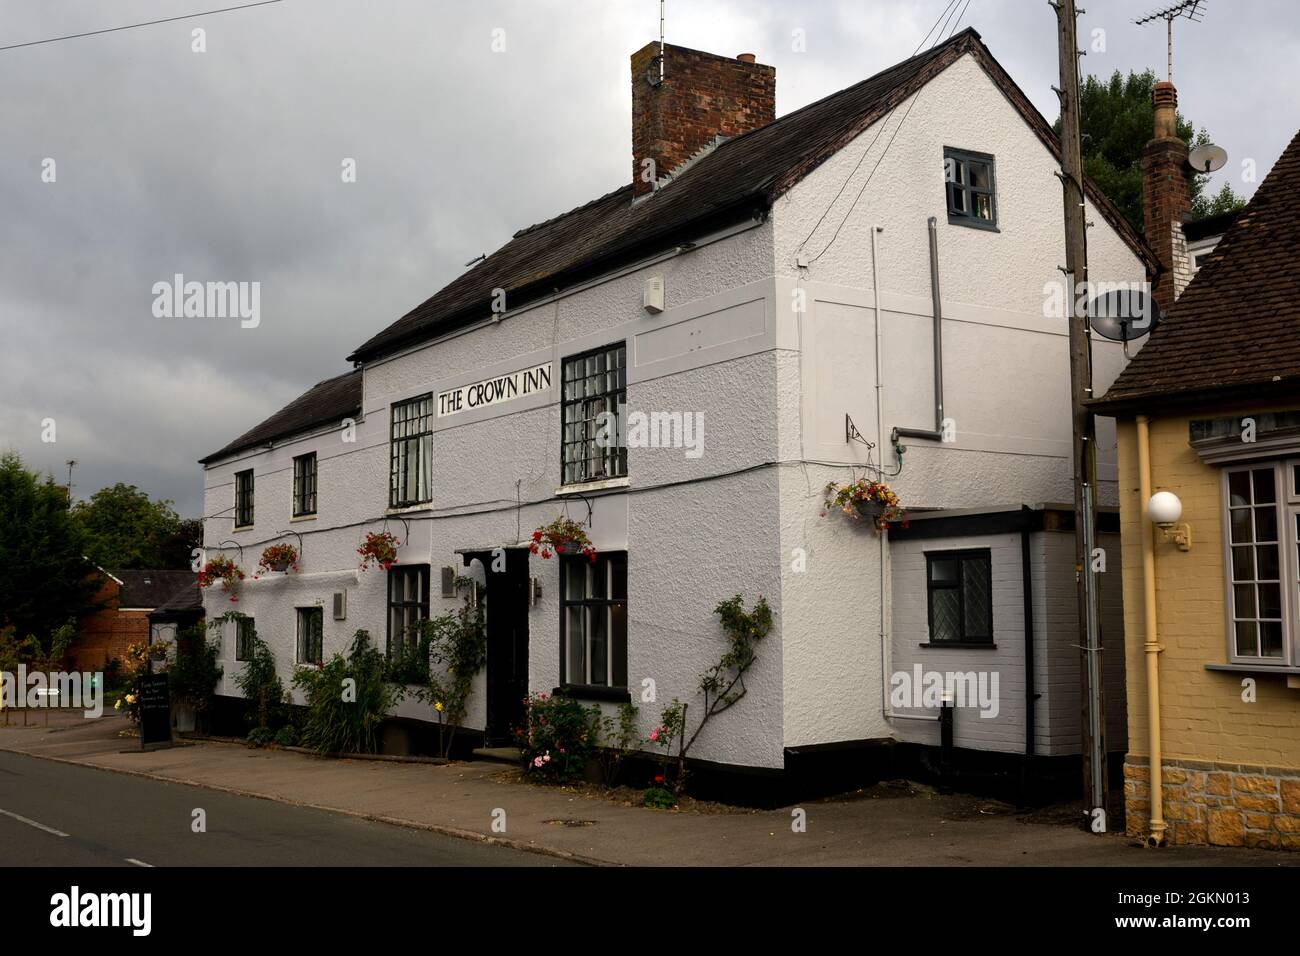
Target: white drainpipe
[[886, 651]]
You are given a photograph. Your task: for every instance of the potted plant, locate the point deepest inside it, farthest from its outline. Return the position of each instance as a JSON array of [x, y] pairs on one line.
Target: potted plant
[[562, 536], [222, 569], [380, 548], [279, 557], [865, 498]]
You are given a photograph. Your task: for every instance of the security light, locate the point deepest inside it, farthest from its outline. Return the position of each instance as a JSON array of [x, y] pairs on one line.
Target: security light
[[1165, 509]]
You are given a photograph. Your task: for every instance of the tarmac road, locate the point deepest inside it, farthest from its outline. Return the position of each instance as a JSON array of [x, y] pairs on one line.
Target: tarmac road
[[55, 814]]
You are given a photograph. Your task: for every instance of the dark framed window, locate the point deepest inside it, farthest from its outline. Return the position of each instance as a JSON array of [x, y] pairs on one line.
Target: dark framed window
[[959, 587], [593, 620], [408, 604], [972, 198], [304, 485], [244, 499], [595, 383], [411, 456], [245, 632], [311, 635]]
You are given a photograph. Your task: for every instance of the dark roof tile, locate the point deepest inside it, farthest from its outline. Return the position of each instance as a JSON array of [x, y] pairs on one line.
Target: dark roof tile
[[150, 589], [1232, 331], [325, 403]]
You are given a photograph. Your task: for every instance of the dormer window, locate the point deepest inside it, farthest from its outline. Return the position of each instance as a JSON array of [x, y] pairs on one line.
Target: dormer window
[[968, 178]]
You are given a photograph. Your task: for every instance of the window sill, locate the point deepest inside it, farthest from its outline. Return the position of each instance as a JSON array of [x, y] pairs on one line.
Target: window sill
[[1254, 668], [977, 645], [970, 222], [310, 517], [601, 485], [408, 509], [613, 695], [242, 527]]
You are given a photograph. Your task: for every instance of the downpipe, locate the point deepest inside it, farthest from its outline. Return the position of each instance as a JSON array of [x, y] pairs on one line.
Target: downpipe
[[886, 651], [1151, 644], [937, 433]]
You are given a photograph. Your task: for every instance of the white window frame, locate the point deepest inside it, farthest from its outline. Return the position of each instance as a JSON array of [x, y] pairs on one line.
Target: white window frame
[[1286, 507]]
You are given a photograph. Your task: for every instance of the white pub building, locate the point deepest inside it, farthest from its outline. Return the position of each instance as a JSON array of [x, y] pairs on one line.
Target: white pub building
[[855, 289]]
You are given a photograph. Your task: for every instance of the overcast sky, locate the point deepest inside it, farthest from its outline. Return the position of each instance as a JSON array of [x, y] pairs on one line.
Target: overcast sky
[[225, 166]]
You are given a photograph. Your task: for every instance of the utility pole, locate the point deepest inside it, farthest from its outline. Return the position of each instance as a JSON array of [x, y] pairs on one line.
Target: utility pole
[[72, 463], [1084, 443]]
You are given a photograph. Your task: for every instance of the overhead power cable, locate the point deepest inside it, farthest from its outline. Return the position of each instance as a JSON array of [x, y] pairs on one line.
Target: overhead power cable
[[132, 26]]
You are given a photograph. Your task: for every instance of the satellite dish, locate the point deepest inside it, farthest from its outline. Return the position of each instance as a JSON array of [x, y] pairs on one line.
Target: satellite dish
[[1123, 315], [1208, 158]]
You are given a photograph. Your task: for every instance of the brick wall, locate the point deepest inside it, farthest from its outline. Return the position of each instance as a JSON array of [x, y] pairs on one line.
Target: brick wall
[[1166, 197], [106, 634], [702, 96]]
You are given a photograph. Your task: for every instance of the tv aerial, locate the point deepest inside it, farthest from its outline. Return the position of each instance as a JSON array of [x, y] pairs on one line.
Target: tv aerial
[[1193, 10]]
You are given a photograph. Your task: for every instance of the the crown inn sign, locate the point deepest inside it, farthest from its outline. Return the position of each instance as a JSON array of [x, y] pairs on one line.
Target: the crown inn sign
[[494, 391]]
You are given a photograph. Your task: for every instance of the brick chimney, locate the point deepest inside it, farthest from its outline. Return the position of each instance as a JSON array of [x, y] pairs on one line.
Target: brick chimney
[[1167, 196], [701, 97]]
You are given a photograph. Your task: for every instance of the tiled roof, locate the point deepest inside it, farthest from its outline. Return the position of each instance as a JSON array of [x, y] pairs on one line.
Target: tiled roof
[[150, 589], [187, 599], [325, 403], [738, 179], [1232, 333]]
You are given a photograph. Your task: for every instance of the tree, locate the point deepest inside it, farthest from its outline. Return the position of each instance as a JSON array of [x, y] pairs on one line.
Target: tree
[[1117, 119], [178, 548], [125, 528], [44, 577]]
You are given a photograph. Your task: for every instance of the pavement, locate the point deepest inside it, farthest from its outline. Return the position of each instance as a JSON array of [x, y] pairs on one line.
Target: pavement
[[487, 803]]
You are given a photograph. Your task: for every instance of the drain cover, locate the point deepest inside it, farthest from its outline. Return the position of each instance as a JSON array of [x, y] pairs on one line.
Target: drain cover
[[570, 823]]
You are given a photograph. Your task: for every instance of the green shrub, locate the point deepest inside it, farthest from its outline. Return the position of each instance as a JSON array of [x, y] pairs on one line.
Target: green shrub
[[657, 798], [457, 648], [347, 699], [286, 736], [260, 737], [261, 687], [409, 664], [557, 738], [193, 676]]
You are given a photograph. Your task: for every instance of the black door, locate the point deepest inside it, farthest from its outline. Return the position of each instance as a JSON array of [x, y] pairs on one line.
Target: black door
[[507, 651]]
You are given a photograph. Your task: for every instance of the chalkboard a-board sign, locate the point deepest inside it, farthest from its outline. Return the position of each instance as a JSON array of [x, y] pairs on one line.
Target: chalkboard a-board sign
[[155, 711]]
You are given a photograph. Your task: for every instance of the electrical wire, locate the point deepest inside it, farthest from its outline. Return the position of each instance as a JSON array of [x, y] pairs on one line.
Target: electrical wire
[[132, 26], [866, 152], [885, 151]]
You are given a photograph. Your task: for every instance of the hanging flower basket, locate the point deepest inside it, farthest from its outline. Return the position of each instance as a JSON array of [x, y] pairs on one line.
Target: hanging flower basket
[[380, 548], [279, 557], [561, 536], [865, 498], [222, 569]]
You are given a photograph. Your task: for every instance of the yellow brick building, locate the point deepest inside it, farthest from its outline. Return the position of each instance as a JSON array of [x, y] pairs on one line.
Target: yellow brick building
[[1209, 411]]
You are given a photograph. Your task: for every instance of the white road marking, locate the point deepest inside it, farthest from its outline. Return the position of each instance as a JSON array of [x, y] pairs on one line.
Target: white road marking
[[139, 862], [33, 823]]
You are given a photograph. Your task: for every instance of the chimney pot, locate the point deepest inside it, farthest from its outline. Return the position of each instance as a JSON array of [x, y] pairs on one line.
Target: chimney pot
[[745, 57], [1165, 100]]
